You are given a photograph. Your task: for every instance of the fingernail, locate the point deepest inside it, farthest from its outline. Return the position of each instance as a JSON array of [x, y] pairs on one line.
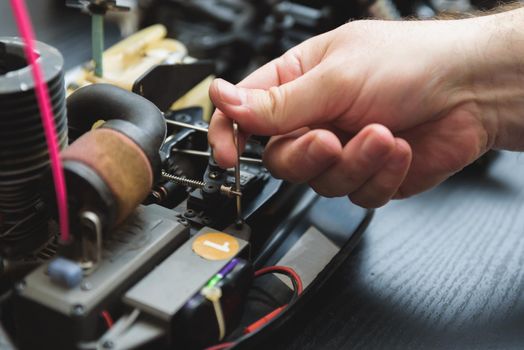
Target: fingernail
[[229, 93], [374, 149]]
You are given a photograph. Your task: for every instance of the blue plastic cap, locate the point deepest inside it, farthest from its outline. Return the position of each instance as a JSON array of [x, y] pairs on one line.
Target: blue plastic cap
[[65, 272]]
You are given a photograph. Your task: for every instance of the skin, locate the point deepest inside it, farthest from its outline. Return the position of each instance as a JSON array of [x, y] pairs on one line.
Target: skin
[[376, 110]]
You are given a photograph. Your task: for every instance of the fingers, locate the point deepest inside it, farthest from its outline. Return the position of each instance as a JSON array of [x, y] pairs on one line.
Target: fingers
[[220, 138], [290, 66], [302, 155], [276, 111], [361, 158], [385, 183], [370, 170], [280, 109]]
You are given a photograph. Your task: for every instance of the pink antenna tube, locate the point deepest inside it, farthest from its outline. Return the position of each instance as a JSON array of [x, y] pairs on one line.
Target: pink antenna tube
[[44, 103]]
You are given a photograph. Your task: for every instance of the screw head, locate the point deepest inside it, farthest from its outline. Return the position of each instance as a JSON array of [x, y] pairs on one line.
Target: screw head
[[86, 285], [213, 175], [183, 117], [108, 344], [19, 286], [78, 310]]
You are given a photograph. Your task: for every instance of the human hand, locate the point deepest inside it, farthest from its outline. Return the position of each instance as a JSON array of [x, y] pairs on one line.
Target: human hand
[[374, 110]]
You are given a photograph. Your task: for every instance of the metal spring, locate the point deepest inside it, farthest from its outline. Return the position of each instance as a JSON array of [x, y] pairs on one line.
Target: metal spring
[[183, 181]]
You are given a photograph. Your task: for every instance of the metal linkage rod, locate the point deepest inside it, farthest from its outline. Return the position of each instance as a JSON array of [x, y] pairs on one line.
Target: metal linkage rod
[[237, 172], [186, 125], [208, 154]]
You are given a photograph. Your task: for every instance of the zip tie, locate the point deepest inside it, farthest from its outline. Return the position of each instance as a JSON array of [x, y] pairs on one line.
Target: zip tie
[[213, 294]]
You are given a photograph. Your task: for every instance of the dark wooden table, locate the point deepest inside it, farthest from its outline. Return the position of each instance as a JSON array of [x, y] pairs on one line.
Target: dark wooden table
[[444, 269]]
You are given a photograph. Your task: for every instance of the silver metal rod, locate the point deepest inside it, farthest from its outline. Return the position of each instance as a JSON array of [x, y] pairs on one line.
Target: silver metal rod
[[186, 125], [208, 154], [237, 172]]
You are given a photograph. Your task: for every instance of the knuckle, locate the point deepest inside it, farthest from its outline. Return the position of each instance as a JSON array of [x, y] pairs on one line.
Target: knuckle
[[294, 175], [274, 167], [325, 190], [275, 108], [402, 193], [367, 201], [384, 187], [281, 168], [292, 66]]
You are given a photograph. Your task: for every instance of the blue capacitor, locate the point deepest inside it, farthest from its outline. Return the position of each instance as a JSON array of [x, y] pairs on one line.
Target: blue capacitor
[[65, 272]]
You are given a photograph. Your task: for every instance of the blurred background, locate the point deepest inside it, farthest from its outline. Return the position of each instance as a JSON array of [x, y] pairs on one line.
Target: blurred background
[[239, 35]]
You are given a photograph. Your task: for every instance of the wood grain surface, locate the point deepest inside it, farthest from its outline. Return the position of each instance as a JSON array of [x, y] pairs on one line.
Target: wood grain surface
[[442, 270]]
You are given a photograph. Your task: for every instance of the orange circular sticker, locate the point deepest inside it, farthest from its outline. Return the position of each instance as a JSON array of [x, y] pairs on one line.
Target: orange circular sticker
[[216, 246]]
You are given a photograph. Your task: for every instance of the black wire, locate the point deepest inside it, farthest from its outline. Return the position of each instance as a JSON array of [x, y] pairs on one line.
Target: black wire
[[263, 293], [292, 300], [291, 277]]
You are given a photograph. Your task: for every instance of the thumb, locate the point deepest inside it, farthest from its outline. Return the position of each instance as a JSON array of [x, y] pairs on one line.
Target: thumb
[[277, 110]]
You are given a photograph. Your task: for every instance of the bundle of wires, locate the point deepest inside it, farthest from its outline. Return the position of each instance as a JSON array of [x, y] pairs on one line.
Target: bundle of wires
[[297, 290], [287, 271], [44, 103]]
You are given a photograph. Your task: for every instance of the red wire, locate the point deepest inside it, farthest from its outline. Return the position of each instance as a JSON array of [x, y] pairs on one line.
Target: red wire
[[263, 320], [286, 269], [267, 318], [270, 316], [107, 318], [221, 346], [44, 103]]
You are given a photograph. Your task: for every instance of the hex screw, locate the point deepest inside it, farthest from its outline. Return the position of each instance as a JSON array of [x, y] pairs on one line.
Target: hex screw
[[20, 286], [78, 310], [86, 285]]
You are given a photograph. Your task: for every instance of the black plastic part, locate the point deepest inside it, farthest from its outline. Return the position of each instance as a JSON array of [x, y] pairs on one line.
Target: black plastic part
[[165, 83], [267, 293], [124, 111], [167, 194], [344, 231], [196, 326]]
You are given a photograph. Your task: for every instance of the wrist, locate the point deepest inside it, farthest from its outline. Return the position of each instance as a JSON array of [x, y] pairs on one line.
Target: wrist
[[495, 76]]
